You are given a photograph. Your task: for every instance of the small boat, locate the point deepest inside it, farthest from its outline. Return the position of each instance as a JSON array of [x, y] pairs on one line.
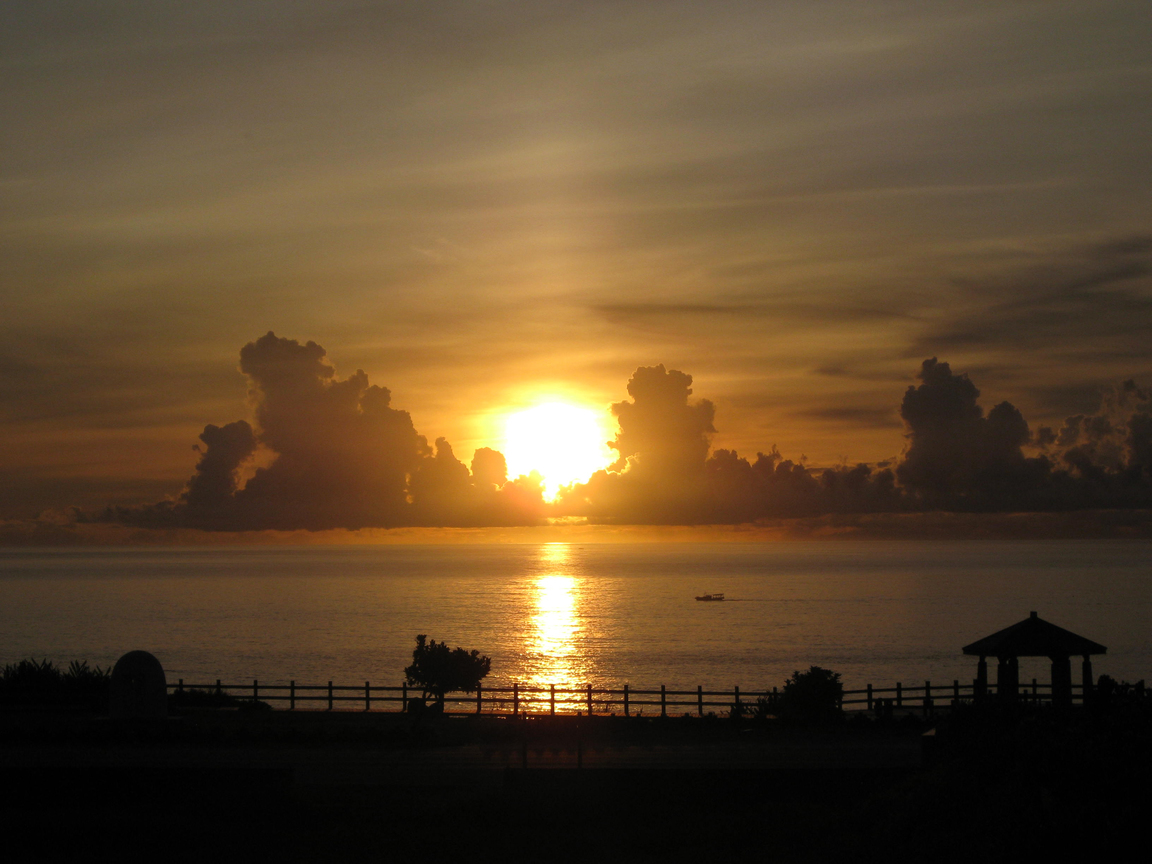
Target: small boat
[[710, 597]]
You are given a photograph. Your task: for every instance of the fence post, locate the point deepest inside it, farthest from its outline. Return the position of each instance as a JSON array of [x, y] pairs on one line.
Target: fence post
[[663, 701], [927, 697], [899, 695], [552, 700], [219, 692], [956, 689], [699, 700], [255, 690], [292, 695], [736, 709], [329, 695], [367, 697], [625, 700], [515, 699], [479, 690], [869, 697], [404, 697], [589, 700], [180, 686]]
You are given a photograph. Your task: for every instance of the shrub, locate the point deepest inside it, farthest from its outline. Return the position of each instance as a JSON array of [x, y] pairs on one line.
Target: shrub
[[32, 682], [813, 696]]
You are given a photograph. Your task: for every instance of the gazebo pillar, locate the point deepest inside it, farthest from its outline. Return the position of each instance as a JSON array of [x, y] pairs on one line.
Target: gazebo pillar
[[1061, 680], [1008, 678], [1086, 679], [981, 678]]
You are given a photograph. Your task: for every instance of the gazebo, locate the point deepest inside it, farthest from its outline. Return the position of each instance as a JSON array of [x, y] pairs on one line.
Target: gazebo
[[1034, 637]]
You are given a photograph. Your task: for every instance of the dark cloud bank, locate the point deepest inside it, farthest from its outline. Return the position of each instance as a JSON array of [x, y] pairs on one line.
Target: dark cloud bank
[[327, 453]]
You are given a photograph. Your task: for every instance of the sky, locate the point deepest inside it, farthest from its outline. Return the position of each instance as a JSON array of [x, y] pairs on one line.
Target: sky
[[485, 204]]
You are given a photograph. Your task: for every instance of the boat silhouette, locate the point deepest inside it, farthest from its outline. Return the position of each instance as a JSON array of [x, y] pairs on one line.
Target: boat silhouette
[[711, 597]]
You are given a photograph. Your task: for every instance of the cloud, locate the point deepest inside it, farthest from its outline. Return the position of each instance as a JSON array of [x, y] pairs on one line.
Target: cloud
[[958, 458], [325, 453], [1097, 295], [339, 456], [666, 475]]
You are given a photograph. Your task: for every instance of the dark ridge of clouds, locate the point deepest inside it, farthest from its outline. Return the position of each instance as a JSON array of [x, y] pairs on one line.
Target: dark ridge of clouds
[[853, 415], [1099, 293], [62, 530], [945, 526], [786, 312]]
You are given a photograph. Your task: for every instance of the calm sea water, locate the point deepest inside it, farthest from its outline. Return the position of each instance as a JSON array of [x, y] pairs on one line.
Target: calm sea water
[[602, 614]]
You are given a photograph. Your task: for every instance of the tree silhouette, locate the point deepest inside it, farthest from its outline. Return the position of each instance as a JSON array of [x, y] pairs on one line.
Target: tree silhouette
[[812, 696], [438, 670]]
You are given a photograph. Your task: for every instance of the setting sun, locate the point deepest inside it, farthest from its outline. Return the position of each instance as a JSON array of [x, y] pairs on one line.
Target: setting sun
[[563, 442]]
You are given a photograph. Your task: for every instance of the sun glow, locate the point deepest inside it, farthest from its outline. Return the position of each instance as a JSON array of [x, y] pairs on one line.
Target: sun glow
[[562, 442], [556, 634]]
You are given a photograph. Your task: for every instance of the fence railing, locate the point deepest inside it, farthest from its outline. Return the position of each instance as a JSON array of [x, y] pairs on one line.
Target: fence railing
[[520, 700]]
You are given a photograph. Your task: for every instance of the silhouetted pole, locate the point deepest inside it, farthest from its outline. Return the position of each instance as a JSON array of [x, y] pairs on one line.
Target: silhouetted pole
[[625, 700], [700, 700], [663, 702], [515, 699], [1008, 678], [589, 700], [552, 700], [479, 690], [329, 695], [1061, 681], [1086, 679], [367, 697], [981, 683], [404, 697]]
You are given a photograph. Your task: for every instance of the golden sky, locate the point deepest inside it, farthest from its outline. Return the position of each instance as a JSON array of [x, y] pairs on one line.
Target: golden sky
[[482, 203]]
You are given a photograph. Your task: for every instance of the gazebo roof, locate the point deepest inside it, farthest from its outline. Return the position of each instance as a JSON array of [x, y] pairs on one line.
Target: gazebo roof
[[1034, 637]]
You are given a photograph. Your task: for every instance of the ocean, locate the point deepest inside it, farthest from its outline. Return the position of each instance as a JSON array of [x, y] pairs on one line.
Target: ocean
[[600, 614]]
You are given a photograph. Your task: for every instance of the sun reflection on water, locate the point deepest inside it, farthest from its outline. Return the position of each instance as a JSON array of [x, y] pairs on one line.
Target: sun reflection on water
[[555, 650]]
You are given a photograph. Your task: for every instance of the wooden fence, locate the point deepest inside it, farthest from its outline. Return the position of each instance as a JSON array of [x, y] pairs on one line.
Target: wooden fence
[[520, 700]]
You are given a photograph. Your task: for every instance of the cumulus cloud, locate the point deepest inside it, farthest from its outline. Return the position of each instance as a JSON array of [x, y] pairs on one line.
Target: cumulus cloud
[[340, 456], [957, 458], [666, 475], [662, 445]]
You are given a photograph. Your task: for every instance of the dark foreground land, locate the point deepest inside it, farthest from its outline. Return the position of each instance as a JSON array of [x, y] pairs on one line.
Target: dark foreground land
[[992, 784]]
